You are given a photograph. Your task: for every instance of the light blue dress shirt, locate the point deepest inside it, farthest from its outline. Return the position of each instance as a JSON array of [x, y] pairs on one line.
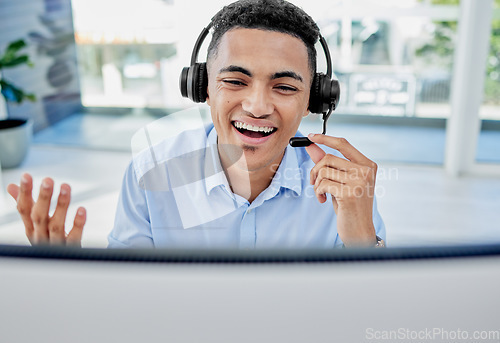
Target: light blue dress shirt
[[175, 195]]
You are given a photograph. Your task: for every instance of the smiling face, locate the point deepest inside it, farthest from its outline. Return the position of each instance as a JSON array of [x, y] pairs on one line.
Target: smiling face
[[258, 91]]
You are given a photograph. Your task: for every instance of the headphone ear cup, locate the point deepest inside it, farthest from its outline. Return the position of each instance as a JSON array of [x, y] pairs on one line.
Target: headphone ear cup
[[201, 83], [325, 92], [334, 92], [314, 96], [193, 82], [183, 82]]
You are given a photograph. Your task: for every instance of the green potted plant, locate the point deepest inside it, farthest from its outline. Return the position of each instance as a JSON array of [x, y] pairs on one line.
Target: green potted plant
[[15, 134]]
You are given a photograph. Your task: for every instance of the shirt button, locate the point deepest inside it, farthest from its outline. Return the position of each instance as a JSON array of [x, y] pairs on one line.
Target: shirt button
[[249, 211]]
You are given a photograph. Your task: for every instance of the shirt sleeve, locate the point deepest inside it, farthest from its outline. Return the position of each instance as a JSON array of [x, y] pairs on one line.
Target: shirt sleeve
[[378, 222], [132, 225]]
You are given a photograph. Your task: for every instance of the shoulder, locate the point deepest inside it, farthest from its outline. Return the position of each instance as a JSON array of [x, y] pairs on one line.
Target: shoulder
[[150, 152]]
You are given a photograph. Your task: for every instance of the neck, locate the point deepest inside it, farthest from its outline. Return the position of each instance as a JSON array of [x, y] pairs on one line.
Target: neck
[[247, 182]]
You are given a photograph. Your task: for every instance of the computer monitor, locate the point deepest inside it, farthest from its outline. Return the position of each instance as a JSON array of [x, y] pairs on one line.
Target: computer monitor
[[347, 295]]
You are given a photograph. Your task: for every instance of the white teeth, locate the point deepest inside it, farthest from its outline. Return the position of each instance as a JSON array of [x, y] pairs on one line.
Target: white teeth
[[240, 125]]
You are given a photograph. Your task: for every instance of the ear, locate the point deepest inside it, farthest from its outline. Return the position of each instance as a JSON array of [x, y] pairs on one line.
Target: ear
[[208, 97]]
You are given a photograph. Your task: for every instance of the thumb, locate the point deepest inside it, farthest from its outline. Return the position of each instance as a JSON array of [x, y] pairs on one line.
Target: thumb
[[13, 190], [315, 152]]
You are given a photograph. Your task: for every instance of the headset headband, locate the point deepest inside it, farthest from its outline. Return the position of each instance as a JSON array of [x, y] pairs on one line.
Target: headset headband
[[206, 30]]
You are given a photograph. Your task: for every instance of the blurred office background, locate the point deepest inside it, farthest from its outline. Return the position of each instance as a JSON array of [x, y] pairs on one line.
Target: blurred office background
[[420, 83]]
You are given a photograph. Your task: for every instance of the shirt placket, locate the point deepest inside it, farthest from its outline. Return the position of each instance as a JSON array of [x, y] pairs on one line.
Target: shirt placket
[[248, 230]]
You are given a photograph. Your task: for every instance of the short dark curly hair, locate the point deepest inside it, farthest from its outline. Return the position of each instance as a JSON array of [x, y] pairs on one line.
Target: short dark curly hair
[[271, 15]]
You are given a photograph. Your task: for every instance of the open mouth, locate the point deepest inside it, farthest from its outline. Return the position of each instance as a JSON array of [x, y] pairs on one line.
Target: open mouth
[[254, 131]]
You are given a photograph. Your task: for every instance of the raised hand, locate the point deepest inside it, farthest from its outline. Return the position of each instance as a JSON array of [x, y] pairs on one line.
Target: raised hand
[[41, 228], [351, 183]]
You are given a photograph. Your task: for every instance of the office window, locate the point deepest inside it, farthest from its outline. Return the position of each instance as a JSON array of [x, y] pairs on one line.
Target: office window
[[393, 57], [125, 50], [491, 101]]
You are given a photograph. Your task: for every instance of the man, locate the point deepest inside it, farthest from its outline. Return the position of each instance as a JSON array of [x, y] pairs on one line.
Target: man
[[249, 189]]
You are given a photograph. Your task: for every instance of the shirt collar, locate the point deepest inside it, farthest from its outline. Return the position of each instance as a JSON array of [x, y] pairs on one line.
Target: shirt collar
[[288, 174]]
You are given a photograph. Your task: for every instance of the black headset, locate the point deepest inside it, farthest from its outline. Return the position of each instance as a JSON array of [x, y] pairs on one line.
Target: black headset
[[324, 96]]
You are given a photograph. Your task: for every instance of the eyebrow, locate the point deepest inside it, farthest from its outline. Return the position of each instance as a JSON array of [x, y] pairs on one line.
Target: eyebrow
[[287, 73], [233, 68]]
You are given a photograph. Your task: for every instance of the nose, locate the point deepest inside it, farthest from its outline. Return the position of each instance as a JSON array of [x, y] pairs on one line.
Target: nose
[[258, 101]]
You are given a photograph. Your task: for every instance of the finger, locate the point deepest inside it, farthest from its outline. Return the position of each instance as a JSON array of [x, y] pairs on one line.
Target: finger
[[315, 152], [322, 198], [75, 235], [330, 187], [56, 223], [324, 175], [342, 145], [13, 190], [25, 204], [40, 211], [331, 161], [332, 174]]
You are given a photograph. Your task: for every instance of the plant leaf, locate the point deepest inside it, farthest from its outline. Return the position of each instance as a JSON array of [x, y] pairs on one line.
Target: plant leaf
[[10, 58], [15, 46], [15, 61], [31, 97], [11, 92], [14, 94]]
